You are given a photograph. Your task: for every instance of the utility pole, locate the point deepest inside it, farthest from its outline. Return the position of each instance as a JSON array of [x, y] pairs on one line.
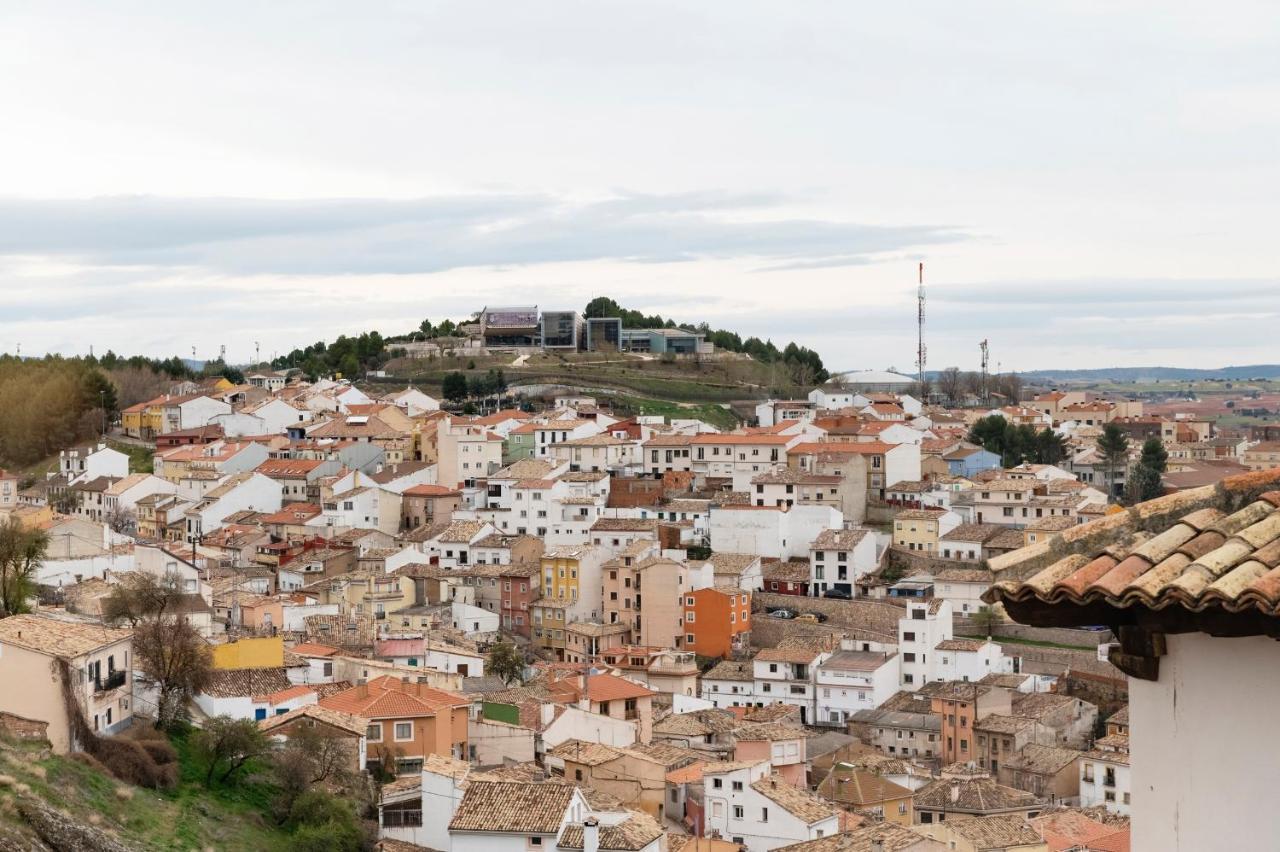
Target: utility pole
[[920, 350]]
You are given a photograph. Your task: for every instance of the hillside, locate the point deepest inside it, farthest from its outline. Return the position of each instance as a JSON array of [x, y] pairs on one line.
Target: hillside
[[50, 802], [1152, 374], [642, 384]]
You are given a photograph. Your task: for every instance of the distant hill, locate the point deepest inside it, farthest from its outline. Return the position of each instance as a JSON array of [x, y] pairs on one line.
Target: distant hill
[[1148, 374]]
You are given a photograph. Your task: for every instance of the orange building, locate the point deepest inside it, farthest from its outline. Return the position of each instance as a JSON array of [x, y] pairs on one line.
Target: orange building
[[407, 721], [716, 621]]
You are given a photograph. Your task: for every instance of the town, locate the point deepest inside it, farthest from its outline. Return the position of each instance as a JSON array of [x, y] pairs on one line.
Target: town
[[894, 614]]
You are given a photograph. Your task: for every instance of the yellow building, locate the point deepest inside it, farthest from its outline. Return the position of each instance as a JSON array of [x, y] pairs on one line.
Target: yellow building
[[560, 569], [917, 529], [263, 653]]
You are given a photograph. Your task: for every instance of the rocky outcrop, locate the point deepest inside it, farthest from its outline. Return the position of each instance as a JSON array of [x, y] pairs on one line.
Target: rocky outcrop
[[61, 834]]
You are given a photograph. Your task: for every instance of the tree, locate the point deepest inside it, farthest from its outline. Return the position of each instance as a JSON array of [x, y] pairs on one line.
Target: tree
[[1113, 446], [951, 385], [225, 745], [174, 657], [21, 552], [1154, 455], [1051, 447], [506, 661], [455, 387], [1143, 483], [312, 755], [985, 620], [989, 433], [121, 519]]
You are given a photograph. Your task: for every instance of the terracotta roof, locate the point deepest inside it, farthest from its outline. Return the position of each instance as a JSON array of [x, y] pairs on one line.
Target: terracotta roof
[[842, 448], [787, 572], [246, 683], [974, 532], [838, 539], [283, 695], [1195, 551], [960, 645], [634, 833], [388, 697], [919, 514], [333, 718], [887, 836], [584, 752], [313, 649], [607, 687], [860, 788], [964, 575], [976, 794], [55, 637], [512, 807], [801, 804], [995, 832], [1043, 759], [788, 655], [429, 491], [729, 670]]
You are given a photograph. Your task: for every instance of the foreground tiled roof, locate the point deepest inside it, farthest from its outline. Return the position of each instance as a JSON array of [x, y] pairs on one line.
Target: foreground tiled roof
[[1209, 549], [333, 718], [512, 807], [246, 683]]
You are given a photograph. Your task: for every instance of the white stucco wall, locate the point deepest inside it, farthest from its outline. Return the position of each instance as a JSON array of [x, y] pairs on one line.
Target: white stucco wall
[[1203, 774]]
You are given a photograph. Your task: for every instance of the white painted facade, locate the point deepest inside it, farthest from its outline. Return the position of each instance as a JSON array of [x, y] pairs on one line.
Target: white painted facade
[[744, 815], [1202, 775], [770, 531], [848, 683]]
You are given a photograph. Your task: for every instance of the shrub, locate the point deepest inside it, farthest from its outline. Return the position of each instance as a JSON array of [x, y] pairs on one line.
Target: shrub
[[161, 751], [128, 761], [85, 759]]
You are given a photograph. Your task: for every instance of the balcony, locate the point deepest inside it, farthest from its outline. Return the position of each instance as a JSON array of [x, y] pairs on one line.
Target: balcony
[[113, 680], [401, 819]]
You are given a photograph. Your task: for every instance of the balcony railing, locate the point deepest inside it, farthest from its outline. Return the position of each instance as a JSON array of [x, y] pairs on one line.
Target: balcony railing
[[401, 819], [113, 680]]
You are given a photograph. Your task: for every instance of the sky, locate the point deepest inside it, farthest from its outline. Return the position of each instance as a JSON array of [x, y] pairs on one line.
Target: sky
[[1089, 184]]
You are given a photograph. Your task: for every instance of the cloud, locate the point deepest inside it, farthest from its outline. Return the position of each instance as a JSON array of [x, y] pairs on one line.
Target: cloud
[[369, 236]]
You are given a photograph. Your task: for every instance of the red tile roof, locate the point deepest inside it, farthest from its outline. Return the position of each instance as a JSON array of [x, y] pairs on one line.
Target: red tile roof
[[388, 697]]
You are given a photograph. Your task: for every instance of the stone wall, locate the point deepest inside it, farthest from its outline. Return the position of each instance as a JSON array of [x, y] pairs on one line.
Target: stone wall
[[861, 618], [1057, 635], [29, 730]]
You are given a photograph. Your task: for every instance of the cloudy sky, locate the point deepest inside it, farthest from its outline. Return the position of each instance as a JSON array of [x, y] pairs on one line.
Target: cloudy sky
[[1088, 183]]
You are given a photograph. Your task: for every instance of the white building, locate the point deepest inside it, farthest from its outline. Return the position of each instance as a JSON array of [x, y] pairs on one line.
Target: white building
[[240, 492], [850, 681], [838, 557], [926, 624], [771, 531], [1104, 775], [82, 464], [749, 805], [788, 675]]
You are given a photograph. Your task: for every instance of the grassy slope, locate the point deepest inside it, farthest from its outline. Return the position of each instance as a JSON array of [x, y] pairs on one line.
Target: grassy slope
[[188, 818]]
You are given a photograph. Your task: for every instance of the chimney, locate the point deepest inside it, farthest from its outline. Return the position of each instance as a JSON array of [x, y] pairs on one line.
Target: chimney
[[591, 835], [955, 791]]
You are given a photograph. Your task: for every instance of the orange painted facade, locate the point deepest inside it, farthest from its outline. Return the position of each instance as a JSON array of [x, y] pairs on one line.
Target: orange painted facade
[[716, 621]]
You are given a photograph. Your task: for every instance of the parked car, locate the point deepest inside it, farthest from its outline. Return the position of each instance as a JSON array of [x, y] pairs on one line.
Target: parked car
[[816, 616], [808, 618], [782, 613], [837, 593]]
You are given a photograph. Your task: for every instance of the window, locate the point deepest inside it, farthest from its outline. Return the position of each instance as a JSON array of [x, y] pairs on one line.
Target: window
[[717, 783], [737, 811], [737, 786], [404, 731], [764, 814], [374, 732]]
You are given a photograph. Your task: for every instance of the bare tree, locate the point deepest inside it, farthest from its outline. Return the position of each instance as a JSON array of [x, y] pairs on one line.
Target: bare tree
[[951, 385], [121, 519]]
